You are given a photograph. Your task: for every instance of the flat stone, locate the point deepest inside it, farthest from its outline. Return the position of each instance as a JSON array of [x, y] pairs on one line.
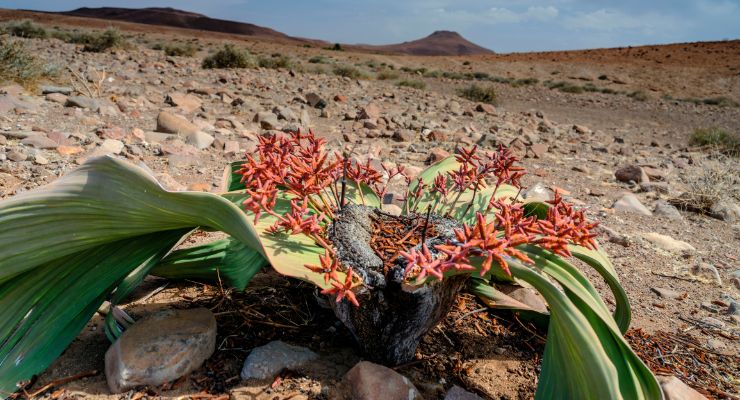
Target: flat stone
[[667, 243], [65, 90], [630, 203], [172, 123], [56, 98], [9, 102], [674, 389], [160, 348], [458, 393], [39, 141], [82, 102], [186, 102], [266, 362], [368, 381], [668, 293]]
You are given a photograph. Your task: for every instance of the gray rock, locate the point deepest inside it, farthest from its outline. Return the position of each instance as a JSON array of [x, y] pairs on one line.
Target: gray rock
[[199, 139], [664, 209], [674, 389], [630, 203], [160, 348], [314, 100], [82, 102], [111, 146], [267, 361], [172, 123], [65, 90], [631, 173], [368, 381], [726, 210], [458, 393], [3, 140], [285, 113], [266, 119]]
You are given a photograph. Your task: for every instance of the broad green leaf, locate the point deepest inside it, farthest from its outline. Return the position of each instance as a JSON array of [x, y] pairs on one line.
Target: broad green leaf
[[227, 260], [288, 254], [104, 200], [43, 309]]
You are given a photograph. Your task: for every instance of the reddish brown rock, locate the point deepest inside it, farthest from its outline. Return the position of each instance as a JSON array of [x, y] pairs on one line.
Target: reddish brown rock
[[368, 381]]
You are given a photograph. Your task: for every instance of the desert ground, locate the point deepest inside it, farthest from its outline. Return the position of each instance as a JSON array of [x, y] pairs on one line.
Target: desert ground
[[634, 107]]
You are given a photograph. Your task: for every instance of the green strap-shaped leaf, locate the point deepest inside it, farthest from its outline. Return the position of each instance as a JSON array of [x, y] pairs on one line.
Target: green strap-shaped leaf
[[43, 309], [586, 356], [227, 260], [598, 260]]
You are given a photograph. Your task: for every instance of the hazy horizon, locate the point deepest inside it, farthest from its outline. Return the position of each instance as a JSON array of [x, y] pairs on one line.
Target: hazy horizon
[[511, 26]]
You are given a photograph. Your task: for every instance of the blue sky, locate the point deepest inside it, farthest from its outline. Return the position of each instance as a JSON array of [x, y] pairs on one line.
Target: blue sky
[[503, 26]]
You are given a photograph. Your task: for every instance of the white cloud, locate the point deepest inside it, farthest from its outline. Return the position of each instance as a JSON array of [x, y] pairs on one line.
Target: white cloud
[[615, 20]]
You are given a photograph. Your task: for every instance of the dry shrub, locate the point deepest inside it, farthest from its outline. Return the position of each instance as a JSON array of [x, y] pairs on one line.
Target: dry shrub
[[18, 65], [717, 181]]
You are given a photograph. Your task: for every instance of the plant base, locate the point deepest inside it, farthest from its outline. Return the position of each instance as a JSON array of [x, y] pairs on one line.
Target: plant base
[[393, 316]]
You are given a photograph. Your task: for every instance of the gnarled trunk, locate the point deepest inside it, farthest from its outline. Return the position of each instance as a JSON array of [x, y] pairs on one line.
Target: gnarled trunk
[[393, 316]]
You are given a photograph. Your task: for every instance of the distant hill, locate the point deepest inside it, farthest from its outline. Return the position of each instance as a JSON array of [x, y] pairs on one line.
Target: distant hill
[[176, 18], [439, 43]]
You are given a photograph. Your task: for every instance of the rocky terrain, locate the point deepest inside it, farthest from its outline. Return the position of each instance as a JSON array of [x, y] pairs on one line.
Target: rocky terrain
[[625, 158]]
